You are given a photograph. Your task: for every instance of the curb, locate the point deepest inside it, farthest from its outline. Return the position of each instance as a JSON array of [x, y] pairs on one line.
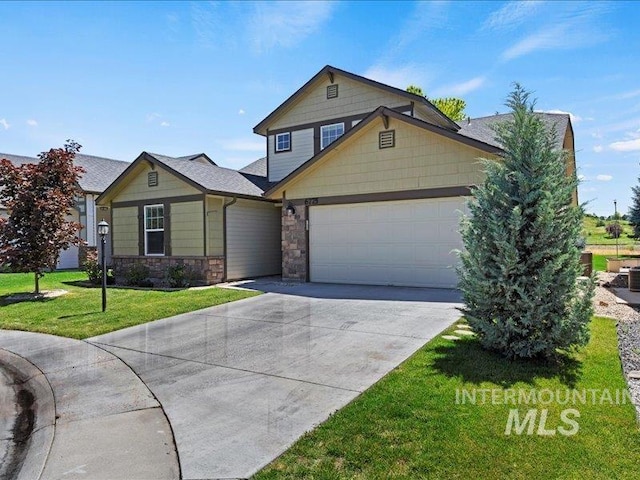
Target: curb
[[38, 399]]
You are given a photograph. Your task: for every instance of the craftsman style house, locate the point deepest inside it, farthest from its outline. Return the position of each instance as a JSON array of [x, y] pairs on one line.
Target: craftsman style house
[[362, 183], [373, 180]]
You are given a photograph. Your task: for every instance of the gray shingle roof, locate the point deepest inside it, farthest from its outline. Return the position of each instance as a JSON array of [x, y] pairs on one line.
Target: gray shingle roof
[[259, 167], [480, 128], [99, 171], [211, 177]]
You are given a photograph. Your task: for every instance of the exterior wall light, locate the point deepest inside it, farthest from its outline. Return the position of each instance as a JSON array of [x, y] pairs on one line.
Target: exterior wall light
[[291, 210]]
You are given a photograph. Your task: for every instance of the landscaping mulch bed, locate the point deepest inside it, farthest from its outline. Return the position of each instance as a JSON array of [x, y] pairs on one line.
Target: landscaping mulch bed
[[628, 326]]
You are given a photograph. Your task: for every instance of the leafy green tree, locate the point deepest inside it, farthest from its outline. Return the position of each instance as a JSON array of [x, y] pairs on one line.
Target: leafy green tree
[[520, 267], [634, 210], [452, 107]]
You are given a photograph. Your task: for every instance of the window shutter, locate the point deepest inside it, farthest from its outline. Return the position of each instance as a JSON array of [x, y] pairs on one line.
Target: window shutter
[[152, 179], [332, 91], [387, 139]]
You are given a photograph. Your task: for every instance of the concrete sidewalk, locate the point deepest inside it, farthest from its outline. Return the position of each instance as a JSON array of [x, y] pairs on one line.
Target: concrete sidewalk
[[92, 416]]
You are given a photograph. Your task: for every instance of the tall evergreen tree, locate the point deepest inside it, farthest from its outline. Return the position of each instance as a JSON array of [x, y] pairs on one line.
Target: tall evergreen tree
[[634, 210], [519, 270]]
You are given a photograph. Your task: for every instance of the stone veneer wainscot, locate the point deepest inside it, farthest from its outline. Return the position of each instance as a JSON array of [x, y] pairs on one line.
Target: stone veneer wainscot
[[207, 270], [294, 242]]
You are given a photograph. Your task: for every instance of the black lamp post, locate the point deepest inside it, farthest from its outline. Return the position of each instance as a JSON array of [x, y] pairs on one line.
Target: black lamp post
[[103, 231], [615, 209]]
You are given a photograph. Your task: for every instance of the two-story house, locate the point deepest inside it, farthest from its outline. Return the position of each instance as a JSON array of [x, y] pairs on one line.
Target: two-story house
[[373, 181]]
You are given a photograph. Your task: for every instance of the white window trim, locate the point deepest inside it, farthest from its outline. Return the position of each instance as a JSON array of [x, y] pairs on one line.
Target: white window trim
[[275, 145], [146, 253], [323, 127]]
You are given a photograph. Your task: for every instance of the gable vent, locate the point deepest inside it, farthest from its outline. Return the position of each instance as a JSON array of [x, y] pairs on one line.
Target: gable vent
[[152, 179], [387, 139], [332, 91]]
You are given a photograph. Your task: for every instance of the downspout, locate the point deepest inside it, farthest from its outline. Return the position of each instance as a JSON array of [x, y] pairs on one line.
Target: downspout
[[224, 235]]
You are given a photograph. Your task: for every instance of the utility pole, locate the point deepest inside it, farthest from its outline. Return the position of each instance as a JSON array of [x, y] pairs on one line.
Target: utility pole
[[615, 209]]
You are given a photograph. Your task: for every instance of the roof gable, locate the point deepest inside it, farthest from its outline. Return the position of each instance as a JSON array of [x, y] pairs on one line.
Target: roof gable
[[385, 114], [374, 94], [205, 177]]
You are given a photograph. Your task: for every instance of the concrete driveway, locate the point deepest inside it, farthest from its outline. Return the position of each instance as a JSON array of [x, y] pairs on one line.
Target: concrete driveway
[[241, 382]]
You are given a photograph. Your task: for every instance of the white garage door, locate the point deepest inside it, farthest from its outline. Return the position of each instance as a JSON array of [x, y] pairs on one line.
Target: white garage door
[[406, 242]]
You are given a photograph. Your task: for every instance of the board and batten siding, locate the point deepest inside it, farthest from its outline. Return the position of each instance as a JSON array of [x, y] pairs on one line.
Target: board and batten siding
[[282, 164], [125, 230], [420, 160], [168, 186], [187, 231], [353, 98], [253, 240], [215, 226]]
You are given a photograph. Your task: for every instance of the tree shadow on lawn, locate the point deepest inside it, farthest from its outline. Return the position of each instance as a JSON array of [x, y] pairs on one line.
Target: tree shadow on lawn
[[467, 359], [20, 297]]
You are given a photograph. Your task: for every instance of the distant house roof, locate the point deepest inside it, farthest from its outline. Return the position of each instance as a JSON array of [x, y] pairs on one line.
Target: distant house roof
[[481, 128], [206, 177], [99, 171], [259, 167]]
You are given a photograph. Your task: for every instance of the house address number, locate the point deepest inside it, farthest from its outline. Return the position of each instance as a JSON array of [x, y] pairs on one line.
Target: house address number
[[310, 201]]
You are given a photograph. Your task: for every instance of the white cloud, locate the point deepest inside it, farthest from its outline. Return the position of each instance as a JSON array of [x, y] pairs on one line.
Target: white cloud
[[626, 146], [244, 145], [151, 117], [597, 148], [582, 178], [4, 123], [604, 178], [626, 95], [427, 16], [574, 26], [460, 89], [510, 15], [284, 24], [165, 124], [400, 77], [574, 118], [241, 112], [32, 123]]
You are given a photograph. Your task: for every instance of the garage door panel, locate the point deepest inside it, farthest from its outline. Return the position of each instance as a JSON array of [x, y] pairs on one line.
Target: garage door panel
[[407, 242]]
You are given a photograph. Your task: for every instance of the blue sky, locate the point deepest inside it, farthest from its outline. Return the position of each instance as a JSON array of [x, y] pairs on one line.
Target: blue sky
[[186, 77]]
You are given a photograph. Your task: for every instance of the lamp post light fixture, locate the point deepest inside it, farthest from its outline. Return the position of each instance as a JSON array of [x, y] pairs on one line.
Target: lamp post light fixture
[[103, 231]]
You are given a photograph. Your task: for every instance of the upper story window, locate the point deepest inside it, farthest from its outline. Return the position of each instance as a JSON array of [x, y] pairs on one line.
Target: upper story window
[[283, 142], [154, 229], [330, 133]]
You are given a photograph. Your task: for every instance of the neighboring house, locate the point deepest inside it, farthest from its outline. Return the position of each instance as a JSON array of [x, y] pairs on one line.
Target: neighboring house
[[373, 180], [98, 175], [188, 211]]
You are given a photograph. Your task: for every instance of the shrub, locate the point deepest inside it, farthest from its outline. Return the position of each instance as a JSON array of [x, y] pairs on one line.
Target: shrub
[[178, 276], [614, 230], [137, 275], [521, 261], [93, 270], [600, 223]]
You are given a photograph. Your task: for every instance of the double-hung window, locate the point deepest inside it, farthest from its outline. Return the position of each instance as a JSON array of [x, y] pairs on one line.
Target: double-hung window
[[283, 142], [330, 133], [154, 229]]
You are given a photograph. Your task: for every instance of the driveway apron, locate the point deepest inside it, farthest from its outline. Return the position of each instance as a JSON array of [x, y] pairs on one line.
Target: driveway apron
[[241, 382]]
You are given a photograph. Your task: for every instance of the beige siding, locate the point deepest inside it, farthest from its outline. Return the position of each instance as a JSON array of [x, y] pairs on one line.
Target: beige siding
[[353, 98], [215, 232], [187, 229], [168, 186], [125, 231], [253, 239], [283, 163], [419, 160]]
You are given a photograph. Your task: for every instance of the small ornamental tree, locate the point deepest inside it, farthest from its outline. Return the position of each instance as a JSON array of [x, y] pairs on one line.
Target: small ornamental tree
[[38, 198], [452, 107], [634, 210], [520, 267], [614, 230]]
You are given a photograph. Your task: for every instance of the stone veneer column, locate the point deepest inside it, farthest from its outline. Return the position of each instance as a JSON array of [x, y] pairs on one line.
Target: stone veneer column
[[294, 243]]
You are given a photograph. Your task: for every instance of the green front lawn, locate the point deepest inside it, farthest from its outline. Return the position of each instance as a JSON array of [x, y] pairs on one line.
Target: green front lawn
[[78, 313], [409, 425]]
